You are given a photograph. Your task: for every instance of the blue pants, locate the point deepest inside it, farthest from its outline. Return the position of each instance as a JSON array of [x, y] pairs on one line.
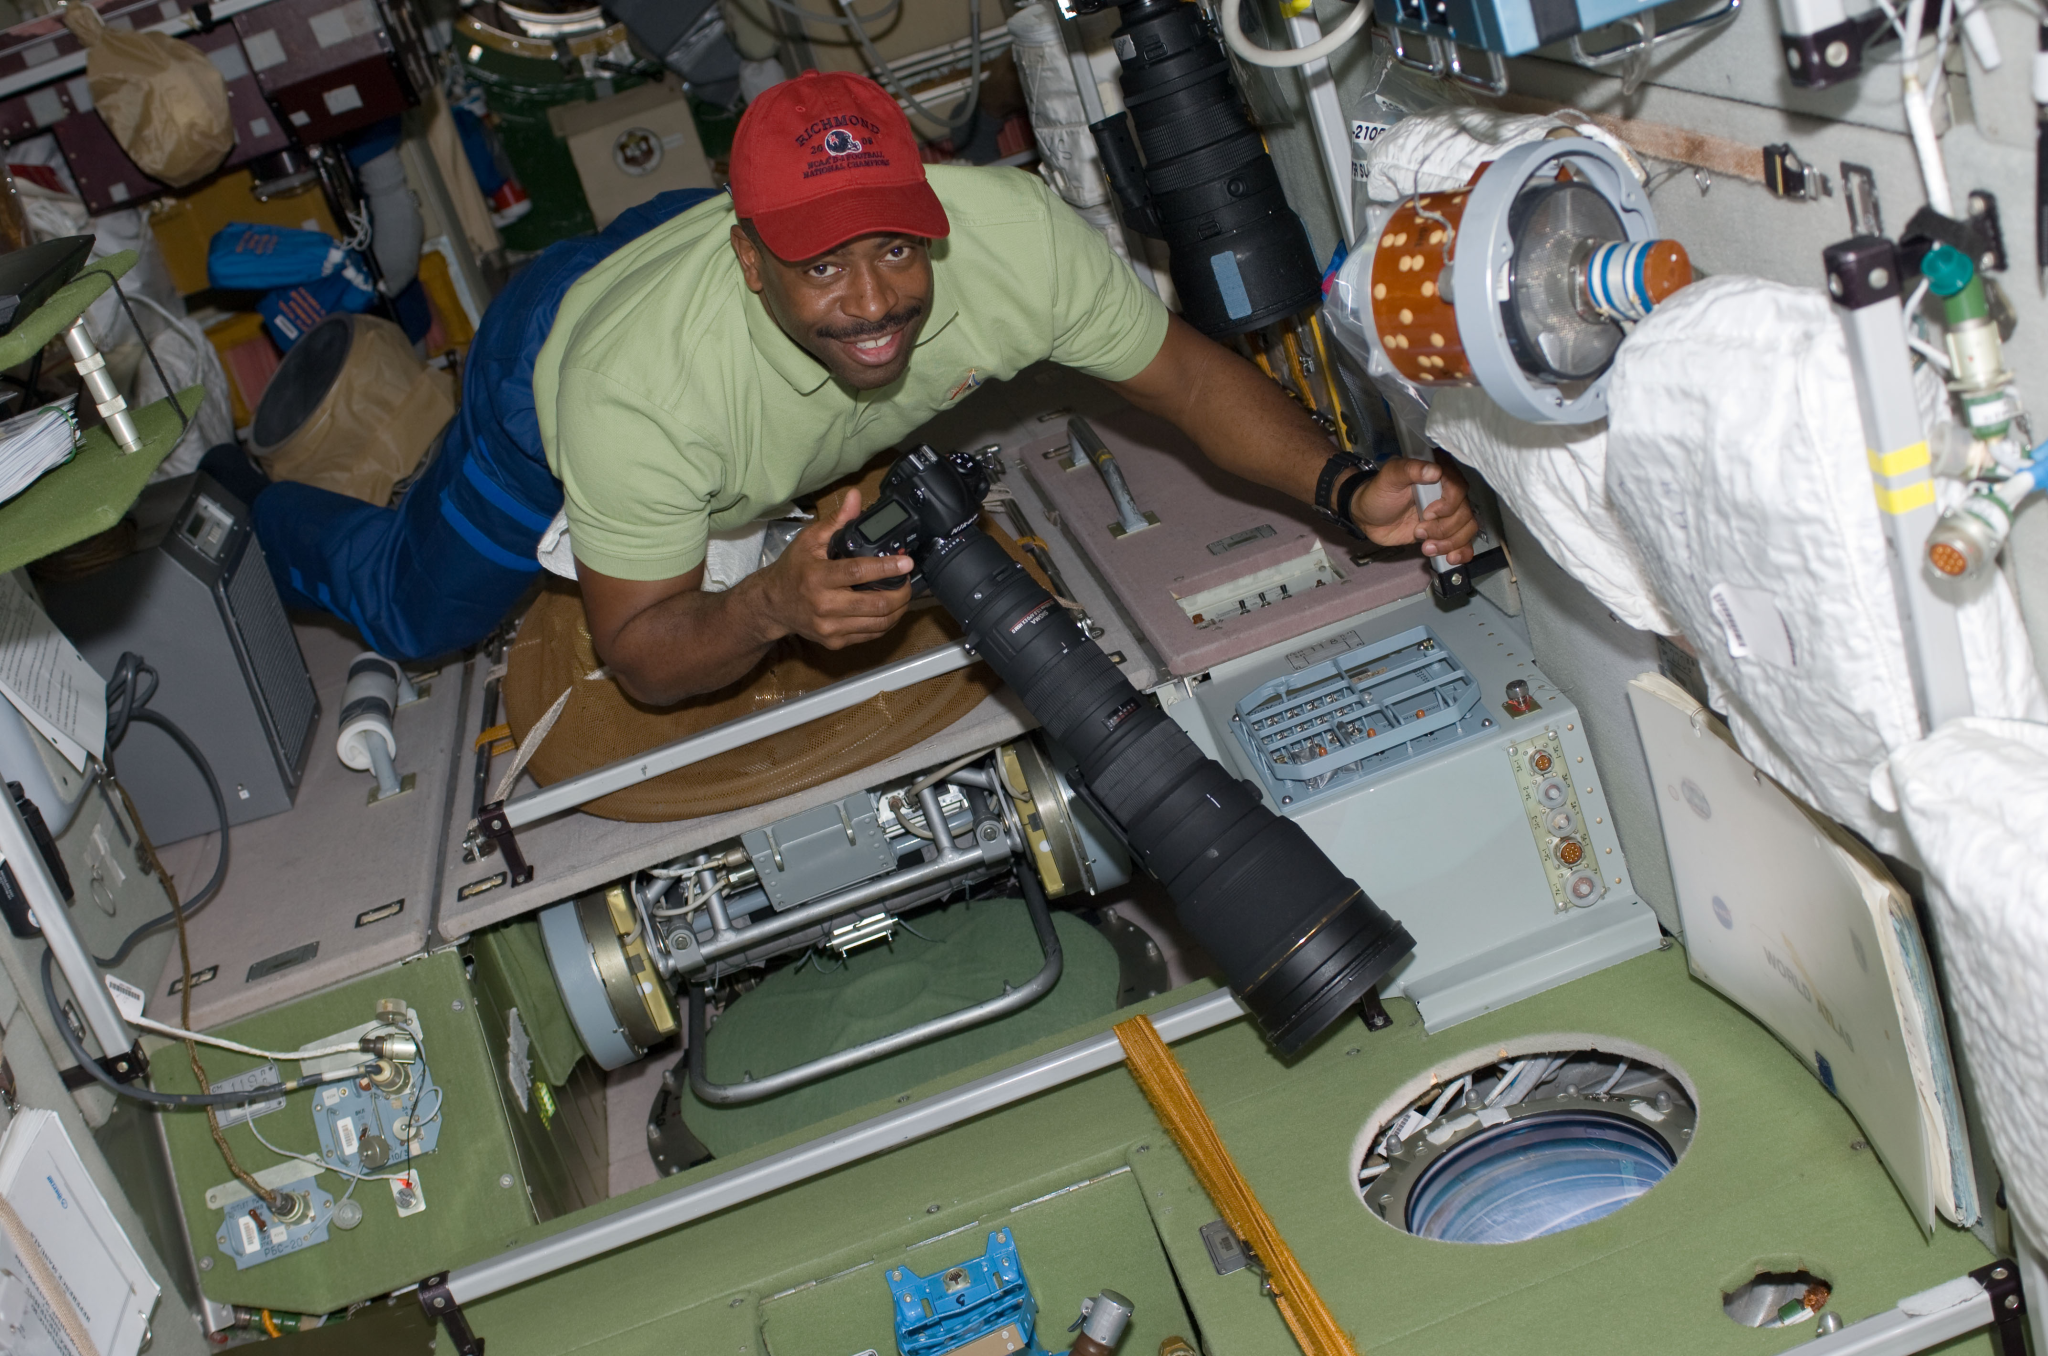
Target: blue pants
[[439, 570]]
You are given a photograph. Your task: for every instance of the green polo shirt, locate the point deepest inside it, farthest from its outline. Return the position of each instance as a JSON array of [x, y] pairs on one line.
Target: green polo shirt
[[672, 406]]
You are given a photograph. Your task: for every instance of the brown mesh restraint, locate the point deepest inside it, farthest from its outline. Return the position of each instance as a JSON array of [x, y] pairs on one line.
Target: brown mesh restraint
[[601, 724], [1165, 1085]]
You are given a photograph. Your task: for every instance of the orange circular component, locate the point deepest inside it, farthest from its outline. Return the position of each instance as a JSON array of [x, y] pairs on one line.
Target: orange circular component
[[1947, 559], [1540, 761], [1416, 322], [1570, 851], [1666, 268]]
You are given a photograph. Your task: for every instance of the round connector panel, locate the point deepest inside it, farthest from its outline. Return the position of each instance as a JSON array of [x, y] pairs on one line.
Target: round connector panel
[[1552, 793], [1568, 851], [347, 1215], [1561, 822], [1583, 888], [1540, 761]]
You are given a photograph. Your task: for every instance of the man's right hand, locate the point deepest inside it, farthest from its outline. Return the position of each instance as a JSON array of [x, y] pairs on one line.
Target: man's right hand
[[807, 593]]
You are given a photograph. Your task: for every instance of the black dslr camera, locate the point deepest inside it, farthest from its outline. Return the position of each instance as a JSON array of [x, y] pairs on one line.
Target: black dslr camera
[[925, 499], [1298, 941]]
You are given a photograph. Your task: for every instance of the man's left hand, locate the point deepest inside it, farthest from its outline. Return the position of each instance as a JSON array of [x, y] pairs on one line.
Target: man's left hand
[[1385, 508]]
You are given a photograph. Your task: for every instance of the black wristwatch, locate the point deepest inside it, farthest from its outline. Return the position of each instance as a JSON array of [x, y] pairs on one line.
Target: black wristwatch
[[1342, 476]]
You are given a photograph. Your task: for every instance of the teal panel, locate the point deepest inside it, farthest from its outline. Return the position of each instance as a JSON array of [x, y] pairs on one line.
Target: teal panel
[[968, 953]]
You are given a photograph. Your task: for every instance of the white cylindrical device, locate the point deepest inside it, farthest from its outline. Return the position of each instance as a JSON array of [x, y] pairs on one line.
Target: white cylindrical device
[[366, 741]]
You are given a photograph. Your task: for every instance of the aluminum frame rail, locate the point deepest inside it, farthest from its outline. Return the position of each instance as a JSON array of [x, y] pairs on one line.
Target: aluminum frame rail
[[1864, 283], [442, 1296], [18, 850], [1989, 1297], [825, 701]]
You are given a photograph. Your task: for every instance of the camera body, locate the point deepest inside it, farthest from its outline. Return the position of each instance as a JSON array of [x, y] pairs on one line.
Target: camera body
[[926, 499]]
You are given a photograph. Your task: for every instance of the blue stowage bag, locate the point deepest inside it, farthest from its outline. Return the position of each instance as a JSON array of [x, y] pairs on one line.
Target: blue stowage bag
[[248, 257], [288, 312]]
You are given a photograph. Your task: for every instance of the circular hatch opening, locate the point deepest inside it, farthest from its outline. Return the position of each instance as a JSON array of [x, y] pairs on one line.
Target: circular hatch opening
[[1512, 1147]]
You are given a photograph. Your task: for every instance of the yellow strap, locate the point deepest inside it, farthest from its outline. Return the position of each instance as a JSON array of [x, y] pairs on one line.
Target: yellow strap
[[1905, 500], [1899, 461], [1166, 1087], [493, 735]]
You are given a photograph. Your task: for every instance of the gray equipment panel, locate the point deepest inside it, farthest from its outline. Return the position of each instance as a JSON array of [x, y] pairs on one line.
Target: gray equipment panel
[[826, 848]]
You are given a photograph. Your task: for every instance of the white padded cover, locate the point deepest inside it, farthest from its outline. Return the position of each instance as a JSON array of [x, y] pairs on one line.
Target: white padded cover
[[1555, 478], [1736, 462], [1974, 796], [1441, 149]]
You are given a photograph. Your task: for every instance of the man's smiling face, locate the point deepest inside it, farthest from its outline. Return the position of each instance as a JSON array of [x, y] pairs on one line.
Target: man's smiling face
[[857, 308]]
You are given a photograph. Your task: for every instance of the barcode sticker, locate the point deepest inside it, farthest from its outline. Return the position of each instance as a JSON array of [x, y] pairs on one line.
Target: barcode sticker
[[345, 1131]]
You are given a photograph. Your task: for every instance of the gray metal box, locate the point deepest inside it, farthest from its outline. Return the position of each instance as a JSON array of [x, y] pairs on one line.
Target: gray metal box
[[196, 600], [1453, 841]]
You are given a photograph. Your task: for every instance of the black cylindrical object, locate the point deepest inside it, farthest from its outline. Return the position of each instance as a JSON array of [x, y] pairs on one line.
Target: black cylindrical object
[[1241, 258], [1298, 941]]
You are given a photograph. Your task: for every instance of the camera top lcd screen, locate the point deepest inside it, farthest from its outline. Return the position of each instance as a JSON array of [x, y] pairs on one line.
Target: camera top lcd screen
[[877, 526]]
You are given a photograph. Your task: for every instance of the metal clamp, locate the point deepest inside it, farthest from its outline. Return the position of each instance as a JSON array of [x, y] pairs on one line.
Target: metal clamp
[[494, 825], [2001, 1281], [1609, 56], [754, 1090], [440, 1307]]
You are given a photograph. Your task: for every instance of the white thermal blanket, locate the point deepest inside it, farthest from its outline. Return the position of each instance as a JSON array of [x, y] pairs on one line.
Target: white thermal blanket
[[1555, 478], [1736, 463], [1974, 796], [1443, 148]]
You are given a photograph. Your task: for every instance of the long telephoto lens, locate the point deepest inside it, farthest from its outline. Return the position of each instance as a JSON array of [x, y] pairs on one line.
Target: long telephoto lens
[[1206, 186], [1298, 941]]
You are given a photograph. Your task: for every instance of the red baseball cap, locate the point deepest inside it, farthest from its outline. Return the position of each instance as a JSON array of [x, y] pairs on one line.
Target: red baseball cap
[[826, 157]]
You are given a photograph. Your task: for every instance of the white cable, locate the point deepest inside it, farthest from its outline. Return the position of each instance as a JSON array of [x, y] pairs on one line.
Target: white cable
[[1505, 1079], [1608, 1086], [297, 1056], [1276, 59], [1437, 1108], [332, 1167]]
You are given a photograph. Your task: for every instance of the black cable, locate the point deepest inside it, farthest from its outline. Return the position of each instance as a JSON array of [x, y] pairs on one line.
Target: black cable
[[187, 1100], [126, 698]]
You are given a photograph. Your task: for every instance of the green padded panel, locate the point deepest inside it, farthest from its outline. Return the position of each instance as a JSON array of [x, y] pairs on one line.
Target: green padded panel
[[468, 1215], [65, 305], [89, 493], [802, 1011], [1073, 1245], [1770, 1180], [518, 961]]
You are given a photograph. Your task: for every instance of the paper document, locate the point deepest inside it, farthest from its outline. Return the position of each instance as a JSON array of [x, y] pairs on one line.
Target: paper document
[[47, 679], [1792, 918], [32, 443]]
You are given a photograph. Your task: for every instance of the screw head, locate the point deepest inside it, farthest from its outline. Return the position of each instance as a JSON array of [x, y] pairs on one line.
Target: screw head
[[736, 1302], [455, 1006], [932, 1209], [206, 1264], [505, 1180]]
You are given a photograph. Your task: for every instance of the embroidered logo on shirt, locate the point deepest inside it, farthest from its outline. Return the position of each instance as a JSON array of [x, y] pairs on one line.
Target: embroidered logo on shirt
[[967, 383]]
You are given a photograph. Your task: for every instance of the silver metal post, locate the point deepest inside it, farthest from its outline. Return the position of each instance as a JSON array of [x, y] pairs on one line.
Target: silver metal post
[[575, 791], [946, 864], [1326, 116], [18, 850], [106, 396], [822, 1155], [1863, 278]]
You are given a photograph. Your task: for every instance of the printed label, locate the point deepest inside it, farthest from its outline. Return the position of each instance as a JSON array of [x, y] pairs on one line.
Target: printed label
[[1120, 715], [251, 1240], [345, 1131]]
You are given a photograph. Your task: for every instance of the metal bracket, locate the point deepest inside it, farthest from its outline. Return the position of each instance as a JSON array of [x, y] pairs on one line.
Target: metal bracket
[[1608, 56], [440, 1307], [2001, 1281], [493, 824], [126, 1067]]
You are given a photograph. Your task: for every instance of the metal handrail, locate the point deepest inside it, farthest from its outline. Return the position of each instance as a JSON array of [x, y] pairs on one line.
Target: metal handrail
[[961, 1019]]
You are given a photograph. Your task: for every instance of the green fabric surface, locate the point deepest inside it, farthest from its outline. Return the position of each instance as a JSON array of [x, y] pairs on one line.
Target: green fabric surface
[[1072, 1246], [520, 959], [802, 1012], [1770, 1180], [65, 305], [468, 1215], [90, 492]]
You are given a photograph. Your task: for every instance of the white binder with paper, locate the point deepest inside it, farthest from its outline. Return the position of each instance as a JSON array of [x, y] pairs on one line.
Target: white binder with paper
[[1796, 921]]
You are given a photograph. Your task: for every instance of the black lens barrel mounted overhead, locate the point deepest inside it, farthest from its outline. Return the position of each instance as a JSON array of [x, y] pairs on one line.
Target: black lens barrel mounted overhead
[[1205, 185], [1299, 942]]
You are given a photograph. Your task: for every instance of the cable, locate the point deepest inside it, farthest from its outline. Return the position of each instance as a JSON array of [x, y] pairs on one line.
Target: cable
[[188, 1100], [127, 702], [965, 115], [184, 419], [1277, 59], [299, 1056], [882, 15]]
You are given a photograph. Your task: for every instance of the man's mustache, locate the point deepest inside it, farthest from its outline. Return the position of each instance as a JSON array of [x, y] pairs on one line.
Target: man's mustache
[[854, 331]]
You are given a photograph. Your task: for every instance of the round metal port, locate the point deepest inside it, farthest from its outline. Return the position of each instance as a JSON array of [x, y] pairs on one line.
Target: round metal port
[[1569, 851], [1540, 761], [1552, 793], [1522, 1147]]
